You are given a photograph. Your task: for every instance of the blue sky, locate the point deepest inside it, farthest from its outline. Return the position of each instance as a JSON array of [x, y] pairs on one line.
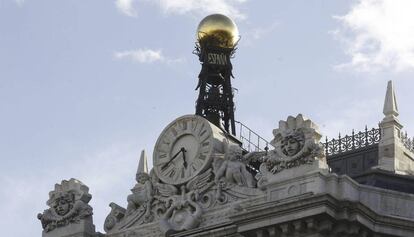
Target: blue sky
[[86, 85]]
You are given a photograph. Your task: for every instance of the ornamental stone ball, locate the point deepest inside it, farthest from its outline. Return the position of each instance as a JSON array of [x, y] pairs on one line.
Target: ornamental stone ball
[[217, 30]]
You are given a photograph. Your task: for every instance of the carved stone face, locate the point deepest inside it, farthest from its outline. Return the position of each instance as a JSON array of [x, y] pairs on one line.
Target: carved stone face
[[291, 146], [63, 206]]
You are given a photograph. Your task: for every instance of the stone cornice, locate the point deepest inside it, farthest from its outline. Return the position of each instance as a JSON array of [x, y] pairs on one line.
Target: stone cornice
[[315, 211]]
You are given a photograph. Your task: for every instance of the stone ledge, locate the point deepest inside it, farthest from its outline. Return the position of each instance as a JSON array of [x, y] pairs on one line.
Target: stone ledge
[[383, 201], [317, 209], [84, 228]]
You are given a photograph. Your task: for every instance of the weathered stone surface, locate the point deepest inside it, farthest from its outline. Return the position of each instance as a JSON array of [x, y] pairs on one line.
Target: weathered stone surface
[[297, 199], [336, 198], [230, 169], [83, 228], [116, 215], [307, 205], [69, 213], [180, 207], [297, 150], [142, 193], [393, 155]]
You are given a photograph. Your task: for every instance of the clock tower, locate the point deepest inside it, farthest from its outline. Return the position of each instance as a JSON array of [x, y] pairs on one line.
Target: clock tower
[[217, 37]]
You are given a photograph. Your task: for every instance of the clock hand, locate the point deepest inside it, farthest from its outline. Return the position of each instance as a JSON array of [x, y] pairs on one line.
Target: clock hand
[[175, 156], [184, 161]]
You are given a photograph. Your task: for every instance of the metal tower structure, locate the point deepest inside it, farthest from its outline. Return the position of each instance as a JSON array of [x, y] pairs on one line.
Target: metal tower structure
[[215, 47]]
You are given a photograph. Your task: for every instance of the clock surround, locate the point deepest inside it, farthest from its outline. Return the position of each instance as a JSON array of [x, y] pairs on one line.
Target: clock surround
[[185, 148]]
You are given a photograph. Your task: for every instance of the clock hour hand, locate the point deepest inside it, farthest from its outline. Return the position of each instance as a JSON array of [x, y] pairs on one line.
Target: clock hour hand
[[184, 161]]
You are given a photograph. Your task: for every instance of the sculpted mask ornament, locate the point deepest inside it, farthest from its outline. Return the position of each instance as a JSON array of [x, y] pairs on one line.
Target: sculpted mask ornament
[[296, 143], [68, 204], [292, 144], [64, 203]]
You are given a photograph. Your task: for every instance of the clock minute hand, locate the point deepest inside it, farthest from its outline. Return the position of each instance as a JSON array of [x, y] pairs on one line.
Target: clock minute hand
[[175, 156]]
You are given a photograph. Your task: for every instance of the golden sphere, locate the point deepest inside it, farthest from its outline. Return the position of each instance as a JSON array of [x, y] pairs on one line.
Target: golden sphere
[[217, 30]]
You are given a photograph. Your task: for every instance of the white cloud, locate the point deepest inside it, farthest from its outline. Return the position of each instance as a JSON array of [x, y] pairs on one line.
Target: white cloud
[[378, 35], [141, 55], [19, 2], [255, 33], [197, 7], [260, 32], [126, 7], [227, 7], [146, 56]]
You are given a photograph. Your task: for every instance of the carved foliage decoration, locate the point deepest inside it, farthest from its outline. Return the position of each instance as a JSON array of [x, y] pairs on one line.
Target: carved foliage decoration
[[68, 203]]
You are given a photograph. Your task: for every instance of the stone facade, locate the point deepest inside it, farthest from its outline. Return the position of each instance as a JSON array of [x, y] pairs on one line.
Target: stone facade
[[291, 193]]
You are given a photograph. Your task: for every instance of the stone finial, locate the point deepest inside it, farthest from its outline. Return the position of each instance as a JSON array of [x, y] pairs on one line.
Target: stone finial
[[390, 103], [142, 166], [392, 154]]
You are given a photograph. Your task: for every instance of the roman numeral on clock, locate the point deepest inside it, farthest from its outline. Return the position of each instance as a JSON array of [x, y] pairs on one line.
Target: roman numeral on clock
[[202, 157], [202, 130], [171, 173], [183, 125], [174, 132], [194, 125]]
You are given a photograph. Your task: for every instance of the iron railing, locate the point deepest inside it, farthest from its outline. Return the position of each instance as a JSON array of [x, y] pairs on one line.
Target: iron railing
[[251, 141], [355, 141]]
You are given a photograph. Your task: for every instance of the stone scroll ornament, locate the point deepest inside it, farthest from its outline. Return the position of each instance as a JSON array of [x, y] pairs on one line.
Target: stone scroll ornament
[[68, 203], [296, 143]]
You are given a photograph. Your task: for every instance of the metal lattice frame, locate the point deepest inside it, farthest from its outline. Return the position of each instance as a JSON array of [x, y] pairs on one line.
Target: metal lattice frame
[[215, 100]]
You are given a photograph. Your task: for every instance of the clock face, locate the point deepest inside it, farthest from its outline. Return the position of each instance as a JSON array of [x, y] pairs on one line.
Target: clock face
[[184, 149]]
